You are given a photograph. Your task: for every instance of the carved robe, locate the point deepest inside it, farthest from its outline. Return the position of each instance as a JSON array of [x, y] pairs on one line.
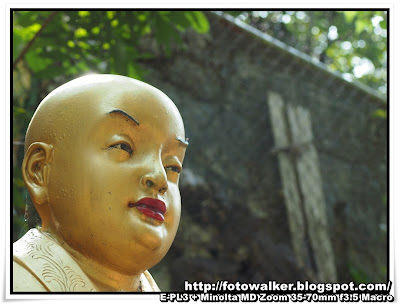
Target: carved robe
[[41, 264]]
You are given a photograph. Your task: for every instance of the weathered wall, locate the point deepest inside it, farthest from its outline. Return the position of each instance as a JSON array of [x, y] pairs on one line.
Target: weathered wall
[[234, 221]]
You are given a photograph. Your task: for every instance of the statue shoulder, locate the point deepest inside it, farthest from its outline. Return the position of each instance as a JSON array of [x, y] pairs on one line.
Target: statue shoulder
[[24, 281], [149, 284], [47, 262]]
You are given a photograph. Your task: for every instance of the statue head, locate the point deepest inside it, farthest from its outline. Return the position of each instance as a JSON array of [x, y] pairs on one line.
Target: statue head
[[103, 155]]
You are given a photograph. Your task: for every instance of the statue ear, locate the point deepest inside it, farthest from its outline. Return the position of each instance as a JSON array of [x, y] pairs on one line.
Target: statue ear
[[36, 170]]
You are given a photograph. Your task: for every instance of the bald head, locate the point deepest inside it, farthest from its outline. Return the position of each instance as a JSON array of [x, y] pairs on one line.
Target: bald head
[[69, 108]]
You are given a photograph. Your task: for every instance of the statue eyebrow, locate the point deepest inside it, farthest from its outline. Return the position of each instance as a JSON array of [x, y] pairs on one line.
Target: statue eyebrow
[[119, 111], [124, 114], [184, 142]]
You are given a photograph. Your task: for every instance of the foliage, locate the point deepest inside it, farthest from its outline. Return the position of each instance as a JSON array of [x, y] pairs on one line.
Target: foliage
[[58, 46], [104, 41], [351, 42]]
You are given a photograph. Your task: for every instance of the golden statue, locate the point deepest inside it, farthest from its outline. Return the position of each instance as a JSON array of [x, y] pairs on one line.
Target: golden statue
[[103, 155]]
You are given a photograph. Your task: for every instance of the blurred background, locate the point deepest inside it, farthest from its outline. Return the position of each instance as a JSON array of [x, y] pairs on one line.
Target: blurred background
[[286, 175]]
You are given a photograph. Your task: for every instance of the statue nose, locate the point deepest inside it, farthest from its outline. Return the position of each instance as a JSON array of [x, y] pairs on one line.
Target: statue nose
[[156, 182]]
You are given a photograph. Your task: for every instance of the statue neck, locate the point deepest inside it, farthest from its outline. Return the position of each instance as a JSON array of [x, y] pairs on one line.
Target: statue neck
[[103, 277]]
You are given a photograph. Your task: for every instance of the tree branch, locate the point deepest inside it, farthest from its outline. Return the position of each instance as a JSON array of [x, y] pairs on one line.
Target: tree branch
[[26, 48]]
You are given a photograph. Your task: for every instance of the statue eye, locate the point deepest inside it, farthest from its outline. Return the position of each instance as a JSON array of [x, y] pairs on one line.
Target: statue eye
[[123, 146], [173, 168]]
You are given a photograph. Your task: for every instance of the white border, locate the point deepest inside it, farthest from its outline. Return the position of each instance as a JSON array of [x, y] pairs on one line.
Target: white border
[[5, 136]]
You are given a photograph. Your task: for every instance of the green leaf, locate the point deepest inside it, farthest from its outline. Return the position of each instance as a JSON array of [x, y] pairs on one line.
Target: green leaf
[[180, 20], [18, 111], [37, 62], [114, 23], [110, 14], [142, 17], [349, 16], [361, 25], [80, 32], [198, 21], [95, 30], [83, 13], [380, 113], [83, 45], [70, 43], [135, 71]]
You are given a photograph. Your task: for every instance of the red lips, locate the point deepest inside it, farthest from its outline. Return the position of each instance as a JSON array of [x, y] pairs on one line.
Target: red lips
[[150, 207]]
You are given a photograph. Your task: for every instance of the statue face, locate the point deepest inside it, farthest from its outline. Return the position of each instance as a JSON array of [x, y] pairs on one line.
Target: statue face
[[113, 186]]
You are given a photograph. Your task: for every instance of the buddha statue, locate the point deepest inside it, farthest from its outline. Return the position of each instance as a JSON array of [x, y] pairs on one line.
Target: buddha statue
[[103, 154]]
